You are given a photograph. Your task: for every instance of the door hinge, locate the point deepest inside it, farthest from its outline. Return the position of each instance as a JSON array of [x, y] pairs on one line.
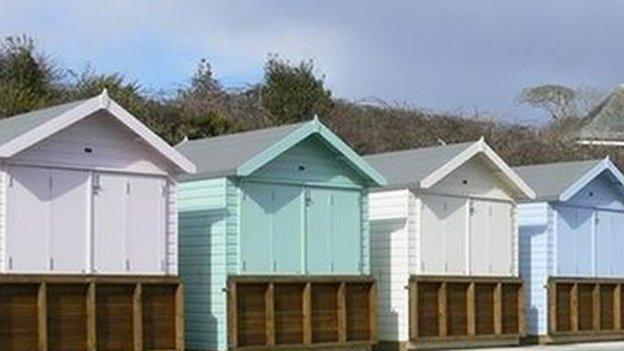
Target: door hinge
[[127, 264], [96, 184], [10, 181], [127, 187], [51, 263], [10, 262], [50, 182]]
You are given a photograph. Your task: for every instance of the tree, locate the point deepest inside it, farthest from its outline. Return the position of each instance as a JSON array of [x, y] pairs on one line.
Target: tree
[[557, 100], [293, 93], [28, 80]]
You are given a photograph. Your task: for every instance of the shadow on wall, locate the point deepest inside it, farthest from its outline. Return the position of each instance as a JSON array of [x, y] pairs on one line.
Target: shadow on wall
[[387, 267], [202, 269]]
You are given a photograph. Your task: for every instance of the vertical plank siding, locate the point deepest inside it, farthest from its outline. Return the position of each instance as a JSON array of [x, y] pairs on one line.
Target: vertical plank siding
[[454, 309], [585, 309], [89, 313]]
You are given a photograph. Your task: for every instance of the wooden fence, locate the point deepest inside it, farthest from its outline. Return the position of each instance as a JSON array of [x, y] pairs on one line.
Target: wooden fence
[[301, 311], [585, 308], [72, 313], [466, 309]]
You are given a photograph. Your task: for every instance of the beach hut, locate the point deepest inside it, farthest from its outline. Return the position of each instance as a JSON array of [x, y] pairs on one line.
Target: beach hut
[[88, 231], [572, 250], [275, 241], [444, 247]]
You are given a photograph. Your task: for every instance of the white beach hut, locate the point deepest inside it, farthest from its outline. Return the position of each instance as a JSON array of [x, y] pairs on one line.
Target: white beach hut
[[445, 226]]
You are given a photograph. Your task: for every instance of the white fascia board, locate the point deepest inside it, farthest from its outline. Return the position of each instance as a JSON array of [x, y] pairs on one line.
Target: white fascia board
[[150, 137], [513, 177]]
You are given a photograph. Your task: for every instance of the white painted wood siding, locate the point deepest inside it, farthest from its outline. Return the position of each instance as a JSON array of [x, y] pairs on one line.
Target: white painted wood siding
[[97, 142], [536, 222], [389, 261], [3, 188]]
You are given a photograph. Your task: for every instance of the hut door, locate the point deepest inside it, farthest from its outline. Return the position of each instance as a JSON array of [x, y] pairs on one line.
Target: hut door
[[609, 243], [271, 228], [346, 246], [49, 211], [574, 241], [109, 222], [480, 216], [333, 243], [318, 230], [70, 206], [145, 224], [443, 235], [28, 215]]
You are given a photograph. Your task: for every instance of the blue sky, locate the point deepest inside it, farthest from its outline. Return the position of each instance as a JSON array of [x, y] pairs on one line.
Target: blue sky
[[455, 55]]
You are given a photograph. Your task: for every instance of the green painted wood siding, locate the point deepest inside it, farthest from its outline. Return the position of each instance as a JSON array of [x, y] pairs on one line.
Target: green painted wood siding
[[310, 161], [224, 222], [202, 228]]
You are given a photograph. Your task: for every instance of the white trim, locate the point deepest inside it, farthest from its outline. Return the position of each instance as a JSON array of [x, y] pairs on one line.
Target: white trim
[[479, 147], [600, 142], [605, 164], [100, 102]]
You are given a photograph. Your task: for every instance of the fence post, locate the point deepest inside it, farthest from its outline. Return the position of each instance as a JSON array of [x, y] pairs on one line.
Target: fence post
[[574, 308], [498, 309], [91, 318], [471, 314], [617, 307], [342, 313], [179, 315], [137, 317], [413, 309], [269, 302], [552, 306], [42, 316], [307, 314], [232, 315], [442, 310]]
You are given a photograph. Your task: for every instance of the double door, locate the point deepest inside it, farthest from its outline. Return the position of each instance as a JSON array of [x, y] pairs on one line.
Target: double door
[[299, 229], [73, 221], [461, 235]]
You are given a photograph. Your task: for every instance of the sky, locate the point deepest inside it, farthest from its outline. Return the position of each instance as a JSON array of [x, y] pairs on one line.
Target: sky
[[446, 55]]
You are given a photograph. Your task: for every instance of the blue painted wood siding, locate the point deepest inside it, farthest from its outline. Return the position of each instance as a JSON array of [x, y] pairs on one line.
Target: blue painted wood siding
[[203, 226]]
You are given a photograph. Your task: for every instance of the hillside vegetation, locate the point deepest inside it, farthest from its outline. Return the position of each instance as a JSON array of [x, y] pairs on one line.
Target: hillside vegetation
[[288, 93]]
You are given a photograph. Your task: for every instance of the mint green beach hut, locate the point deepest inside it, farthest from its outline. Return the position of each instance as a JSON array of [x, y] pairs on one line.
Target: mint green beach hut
[[274, 240]]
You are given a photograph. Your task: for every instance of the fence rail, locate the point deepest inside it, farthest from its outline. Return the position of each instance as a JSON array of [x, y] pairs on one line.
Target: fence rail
[[50, 313], [301, 311]]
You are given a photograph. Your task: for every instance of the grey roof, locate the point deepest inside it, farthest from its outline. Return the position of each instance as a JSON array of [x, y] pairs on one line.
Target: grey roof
[[605, 121], [13, 127], [551, 180], [408, 167], [220, 156]]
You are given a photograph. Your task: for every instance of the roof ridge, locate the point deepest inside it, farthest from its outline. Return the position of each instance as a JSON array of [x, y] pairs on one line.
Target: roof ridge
[[246, 132], [405, 151]]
